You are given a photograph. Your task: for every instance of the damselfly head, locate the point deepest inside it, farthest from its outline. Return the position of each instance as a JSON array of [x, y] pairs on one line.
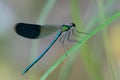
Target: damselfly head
[[72, 24]]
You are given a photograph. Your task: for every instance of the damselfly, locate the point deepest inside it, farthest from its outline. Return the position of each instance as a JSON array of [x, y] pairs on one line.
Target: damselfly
[[33, 31]]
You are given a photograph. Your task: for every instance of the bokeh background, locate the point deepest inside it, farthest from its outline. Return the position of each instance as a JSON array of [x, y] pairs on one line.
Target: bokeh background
[[97, 59]]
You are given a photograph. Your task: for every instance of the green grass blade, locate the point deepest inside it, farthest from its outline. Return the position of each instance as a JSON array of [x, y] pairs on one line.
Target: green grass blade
[[92, 64], [107, 42], [77, 45]]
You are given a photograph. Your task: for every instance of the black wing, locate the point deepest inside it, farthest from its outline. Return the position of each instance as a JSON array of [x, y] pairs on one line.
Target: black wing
[[31, 31]]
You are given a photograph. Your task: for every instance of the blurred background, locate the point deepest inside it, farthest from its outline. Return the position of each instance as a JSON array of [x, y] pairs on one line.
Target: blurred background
[[97, 59]]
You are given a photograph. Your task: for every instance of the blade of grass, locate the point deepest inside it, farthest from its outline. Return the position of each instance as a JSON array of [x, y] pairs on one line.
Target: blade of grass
[[107, 42], [93, 71], [77, 45], [92, 64]]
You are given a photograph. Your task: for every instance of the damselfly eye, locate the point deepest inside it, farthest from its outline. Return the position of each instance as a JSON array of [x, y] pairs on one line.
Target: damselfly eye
[[73, 25]]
